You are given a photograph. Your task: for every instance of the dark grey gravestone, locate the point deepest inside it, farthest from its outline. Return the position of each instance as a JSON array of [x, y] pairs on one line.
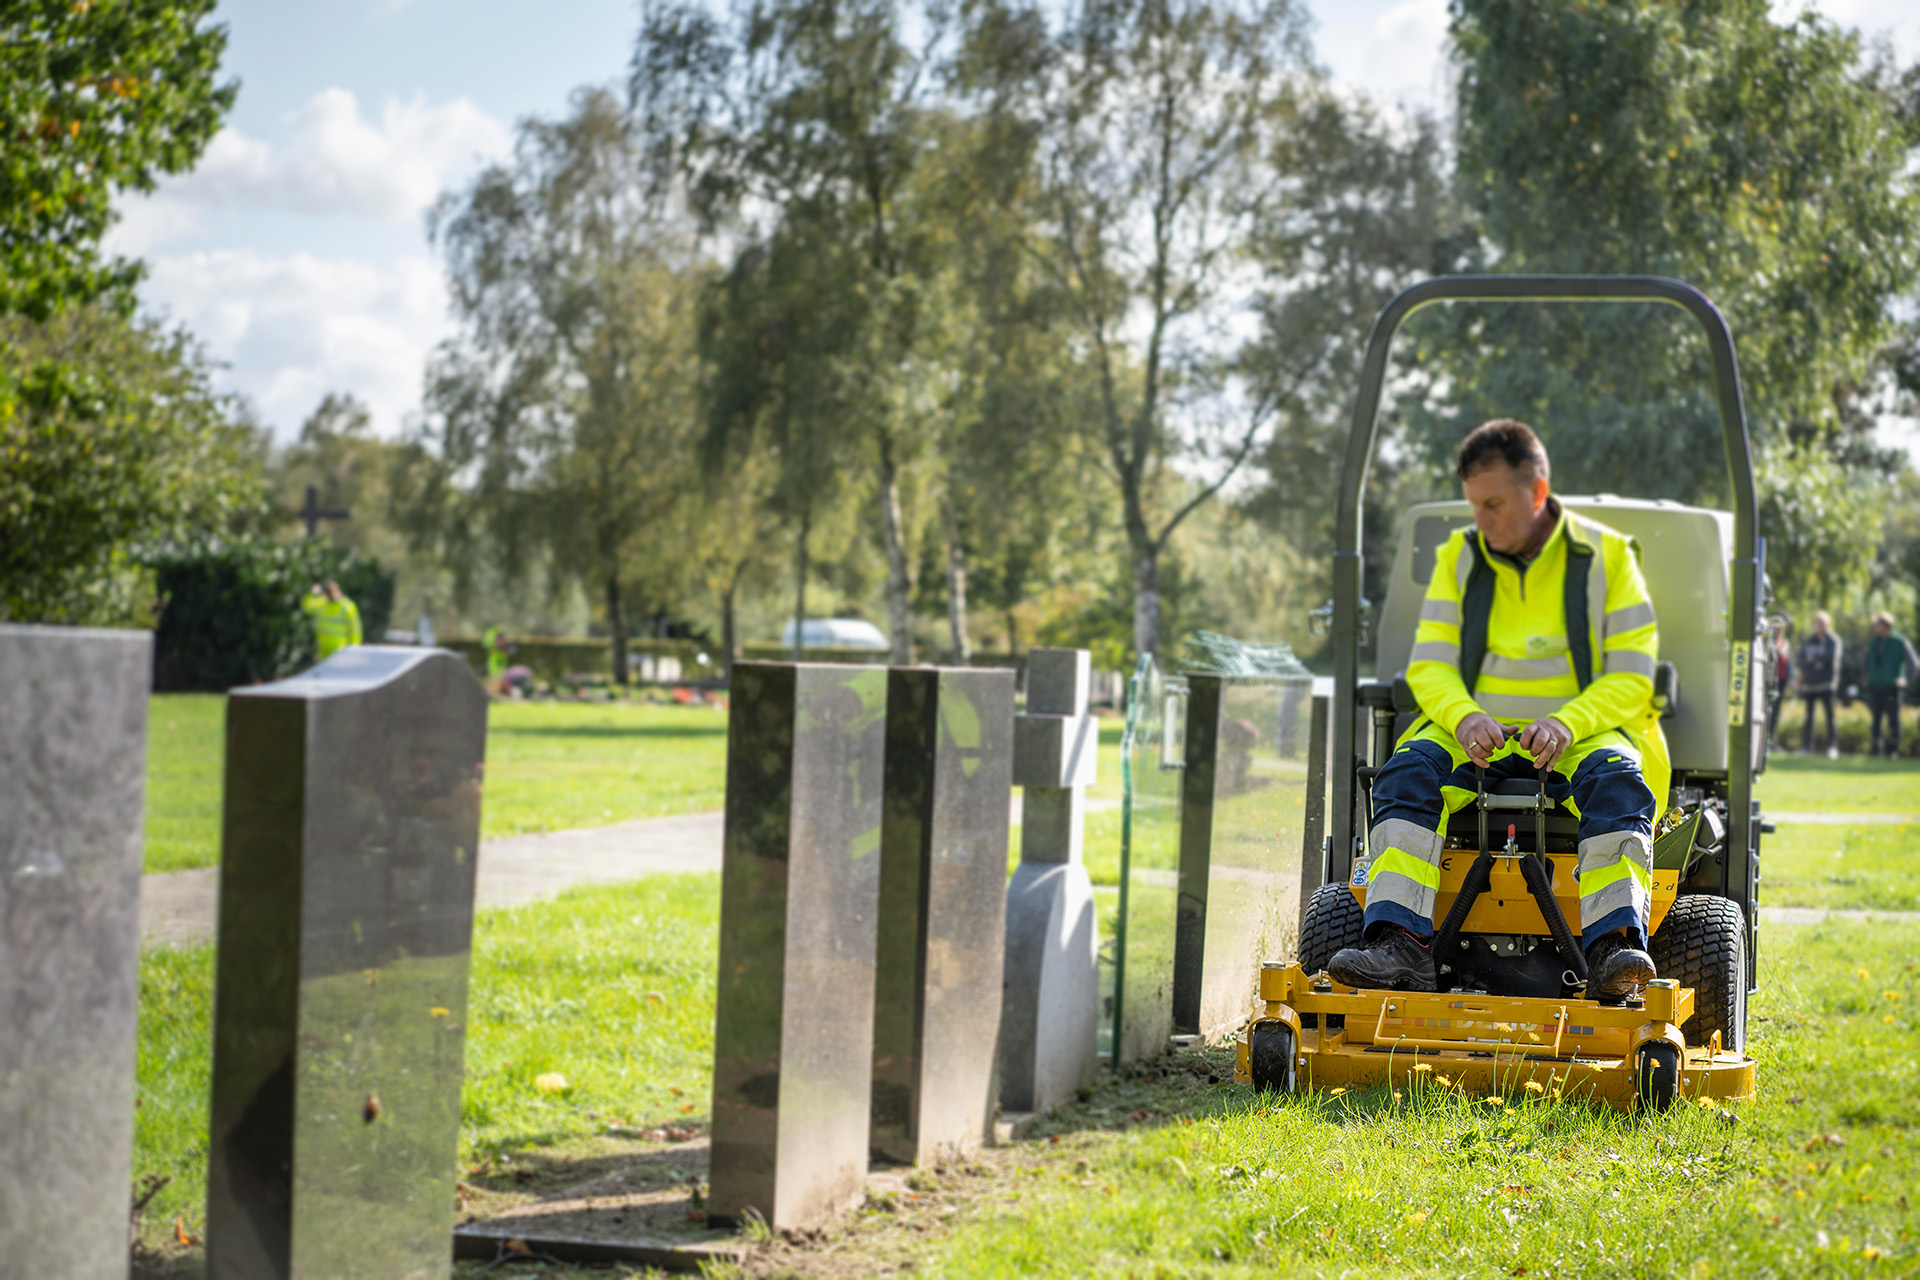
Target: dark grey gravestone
[[1050, 1011], [800, 884], [942, 923], [73, 754], [351, 830]]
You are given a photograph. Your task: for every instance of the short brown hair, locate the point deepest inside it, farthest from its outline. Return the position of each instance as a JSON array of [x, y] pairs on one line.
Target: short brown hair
[[1507, 439]]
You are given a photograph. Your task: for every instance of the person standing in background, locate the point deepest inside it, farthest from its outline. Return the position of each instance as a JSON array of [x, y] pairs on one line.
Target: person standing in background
[[1890, 659], [1820, 678], [1782, 677], [496, 646], [336, 619]]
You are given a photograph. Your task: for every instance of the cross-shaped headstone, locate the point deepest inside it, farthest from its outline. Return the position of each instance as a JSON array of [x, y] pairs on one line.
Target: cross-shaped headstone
[[313, 513]]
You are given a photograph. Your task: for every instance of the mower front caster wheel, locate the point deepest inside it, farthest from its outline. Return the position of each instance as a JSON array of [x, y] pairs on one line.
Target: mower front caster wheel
[[1656, 1074], [1270, 1051]]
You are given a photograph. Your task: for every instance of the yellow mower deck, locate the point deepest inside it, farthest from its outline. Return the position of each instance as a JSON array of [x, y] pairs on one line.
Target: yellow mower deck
[[1503, 1044]]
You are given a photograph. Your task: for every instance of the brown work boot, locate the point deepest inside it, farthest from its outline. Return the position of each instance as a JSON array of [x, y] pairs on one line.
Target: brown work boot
[[1615, 967], [1394, 960]]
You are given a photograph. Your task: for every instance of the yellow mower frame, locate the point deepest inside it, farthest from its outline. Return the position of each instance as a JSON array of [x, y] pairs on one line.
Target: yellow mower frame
[[1491, 1044]]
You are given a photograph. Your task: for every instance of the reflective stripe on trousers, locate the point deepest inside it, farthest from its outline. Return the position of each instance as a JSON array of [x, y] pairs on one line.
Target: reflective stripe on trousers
[[1616, 885], [1402, 876]]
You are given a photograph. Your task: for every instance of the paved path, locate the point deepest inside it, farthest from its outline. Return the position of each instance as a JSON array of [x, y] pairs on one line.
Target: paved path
[[1814, 915], [180, 906]]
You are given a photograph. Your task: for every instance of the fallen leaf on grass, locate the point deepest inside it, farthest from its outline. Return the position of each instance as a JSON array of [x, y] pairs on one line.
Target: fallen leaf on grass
[[181, 1235], [550, 1082], [1824, 1140]]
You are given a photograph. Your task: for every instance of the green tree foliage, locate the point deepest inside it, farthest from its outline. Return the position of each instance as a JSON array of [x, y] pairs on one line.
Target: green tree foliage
[[562, 415], [111, 438], [1188, 170], [798, 125], [95, 99], [1768, 163]]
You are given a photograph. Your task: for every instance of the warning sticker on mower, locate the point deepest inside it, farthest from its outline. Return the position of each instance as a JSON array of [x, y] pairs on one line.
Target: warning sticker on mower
[[1360, 874], [1737, 685]]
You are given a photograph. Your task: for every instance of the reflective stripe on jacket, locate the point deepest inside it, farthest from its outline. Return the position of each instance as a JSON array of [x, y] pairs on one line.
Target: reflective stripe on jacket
[[1528, 670]]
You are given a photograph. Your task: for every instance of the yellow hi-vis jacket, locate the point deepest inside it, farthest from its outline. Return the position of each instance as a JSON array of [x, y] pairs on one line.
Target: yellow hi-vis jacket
[[336, 623], [1527, 671]]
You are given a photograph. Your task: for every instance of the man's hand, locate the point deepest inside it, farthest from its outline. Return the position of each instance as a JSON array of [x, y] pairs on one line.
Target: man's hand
[[1545, 740], [1481, 735]]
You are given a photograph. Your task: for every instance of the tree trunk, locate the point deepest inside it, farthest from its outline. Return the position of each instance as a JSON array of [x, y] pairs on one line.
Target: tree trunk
[[617, 627], [899, 585], [800, 587], [956, 584], [1146, 601], [729, 640], [1013, 634]]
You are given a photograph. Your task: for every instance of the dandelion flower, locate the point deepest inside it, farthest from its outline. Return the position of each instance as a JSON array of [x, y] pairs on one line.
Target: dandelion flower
[[1863, 974], [1891, 995], [1396, 1095], [1534, 1086], [1445, 1080], [1337, 1092], [1510, 1111], [1493, 1100], [1888, 1019], [1423, 1066], [1419, 1216]]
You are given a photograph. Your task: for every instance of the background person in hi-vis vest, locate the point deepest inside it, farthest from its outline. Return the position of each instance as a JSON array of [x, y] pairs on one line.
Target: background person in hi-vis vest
[[1536, 649]]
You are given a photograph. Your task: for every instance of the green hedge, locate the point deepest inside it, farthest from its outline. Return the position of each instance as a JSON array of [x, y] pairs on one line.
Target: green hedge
[[230, 609]]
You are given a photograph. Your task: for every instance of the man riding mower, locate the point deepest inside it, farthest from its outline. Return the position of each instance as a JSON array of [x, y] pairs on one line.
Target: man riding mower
[[1509, 614], [1531, 656]]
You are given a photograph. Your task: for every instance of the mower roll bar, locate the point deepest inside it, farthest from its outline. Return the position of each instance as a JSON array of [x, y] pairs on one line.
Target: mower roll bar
[[1748, 549]]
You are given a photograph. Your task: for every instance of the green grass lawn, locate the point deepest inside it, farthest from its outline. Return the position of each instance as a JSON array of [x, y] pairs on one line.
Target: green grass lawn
[[1164, 1172], [550, 766], [1170, 1174], [1851, 784], [186, 752], [610, 988]]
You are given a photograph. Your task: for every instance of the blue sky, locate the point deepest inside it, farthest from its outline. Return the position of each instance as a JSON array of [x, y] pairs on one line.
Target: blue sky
[[297, 249]]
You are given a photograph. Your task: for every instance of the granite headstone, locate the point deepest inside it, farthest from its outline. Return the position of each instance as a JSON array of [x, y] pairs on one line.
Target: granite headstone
[[73, 751], [351, 830], [800, 883], [942, 923]]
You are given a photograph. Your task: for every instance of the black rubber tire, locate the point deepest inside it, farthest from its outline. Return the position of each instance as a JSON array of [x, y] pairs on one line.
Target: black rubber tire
[[1656, 1075], [1703, 944], [1333, 922], [1270, 1054]]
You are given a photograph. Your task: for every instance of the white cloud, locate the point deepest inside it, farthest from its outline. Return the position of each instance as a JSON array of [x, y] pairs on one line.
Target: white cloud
[[291, 328], [341, 163]]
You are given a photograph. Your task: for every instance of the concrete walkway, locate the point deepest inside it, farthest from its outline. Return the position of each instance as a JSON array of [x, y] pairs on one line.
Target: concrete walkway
[[179, 907]]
